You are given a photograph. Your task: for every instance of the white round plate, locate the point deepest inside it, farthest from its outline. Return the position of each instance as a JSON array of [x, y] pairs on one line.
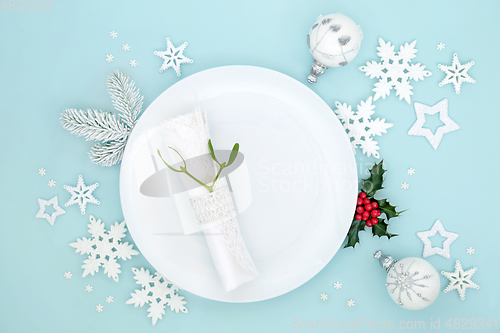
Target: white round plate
[[302, 173]]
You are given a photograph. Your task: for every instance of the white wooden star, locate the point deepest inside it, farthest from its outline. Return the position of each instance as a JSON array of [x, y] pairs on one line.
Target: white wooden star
[[428, 249], [50, 218], [81, 194], [456, 73], [460, 280], [418, 129]]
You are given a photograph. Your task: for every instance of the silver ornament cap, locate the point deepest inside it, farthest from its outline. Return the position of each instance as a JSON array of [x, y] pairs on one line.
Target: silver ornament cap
[[385, 261], [317, 69]]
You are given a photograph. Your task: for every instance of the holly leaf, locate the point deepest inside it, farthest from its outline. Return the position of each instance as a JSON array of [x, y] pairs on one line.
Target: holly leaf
[[388, 209], [352, 236], [380, 229], [374, 183]]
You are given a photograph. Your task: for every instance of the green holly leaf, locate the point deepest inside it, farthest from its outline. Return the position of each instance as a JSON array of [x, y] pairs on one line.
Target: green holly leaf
[[388, 209], [352, 236], [380, 229], [374, 183]]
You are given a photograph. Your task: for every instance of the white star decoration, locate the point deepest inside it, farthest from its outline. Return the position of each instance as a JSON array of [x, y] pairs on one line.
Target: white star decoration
[[173, 57], [428, 249], [460, 280], [81, 194], [456, 73], [50, 218], [449, 125]]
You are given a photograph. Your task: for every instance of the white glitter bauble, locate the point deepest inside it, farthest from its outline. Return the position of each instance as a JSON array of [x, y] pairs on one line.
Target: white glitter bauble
[[412, 283]]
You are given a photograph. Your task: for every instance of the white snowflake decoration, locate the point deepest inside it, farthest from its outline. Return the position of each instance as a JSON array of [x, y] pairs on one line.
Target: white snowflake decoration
[[405, 186], [470, 250], [88, 288], [109, 299], [42, 171], [350, 303], [158, 292], [109, 57], [81, 194], [411, 171], [173, 57], [99, 308], [68, 275], [360, 127], [52, 183], [460, 280], [113, 34], [132, 63], [456, 73], [440, 46], [428, 249], [52, 217], [104, 248], [323, 297], [125, 47], [394, 71], [337, 285]]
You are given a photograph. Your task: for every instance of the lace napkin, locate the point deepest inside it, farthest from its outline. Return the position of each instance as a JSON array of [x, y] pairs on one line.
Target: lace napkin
[[189, 135]]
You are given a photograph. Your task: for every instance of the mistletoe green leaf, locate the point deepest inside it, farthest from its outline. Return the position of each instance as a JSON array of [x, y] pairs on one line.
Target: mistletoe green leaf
[[233, 155], [374, 183], [388, 209], [211, 151], [352, 236], [380, 229]]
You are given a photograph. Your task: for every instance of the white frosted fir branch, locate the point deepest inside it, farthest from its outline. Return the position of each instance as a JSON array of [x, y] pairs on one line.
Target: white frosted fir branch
[[125, 97]]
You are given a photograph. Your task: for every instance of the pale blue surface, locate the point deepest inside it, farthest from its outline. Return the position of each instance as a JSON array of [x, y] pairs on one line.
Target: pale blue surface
[[50, 61]]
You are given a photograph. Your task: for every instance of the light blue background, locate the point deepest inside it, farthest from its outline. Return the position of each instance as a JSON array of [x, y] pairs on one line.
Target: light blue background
[[54, 60]]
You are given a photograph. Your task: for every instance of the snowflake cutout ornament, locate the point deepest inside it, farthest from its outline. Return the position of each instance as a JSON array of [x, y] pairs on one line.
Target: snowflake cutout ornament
[[360, 127], [395, 70], [42, 171], [456, 73], [104, 248], [428, 249], [52, 217], [173, 57], [460, 280], [337, 285], [81, 194], [323, 297], [157, 291], [109, 57], [440, 46], [418, 129]]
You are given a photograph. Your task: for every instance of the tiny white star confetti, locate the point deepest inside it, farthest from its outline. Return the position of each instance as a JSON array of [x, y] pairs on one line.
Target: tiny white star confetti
[[323, 296], [88, 288], [405, 186], [52, 183], [42, 171], [337, 285], [132, 63], [411, 171], [99, 308], [460, 280], [350, 303], [470, 250], [456, 73], [113, 34], [125, 47], [440, 46], [109, 299], [428, 249], [68, 275], [109, 57]]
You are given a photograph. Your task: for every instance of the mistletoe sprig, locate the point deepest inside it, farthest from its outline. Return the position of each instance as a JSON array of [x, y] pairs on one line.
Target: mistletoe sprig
[[222, 166], [372, 209]]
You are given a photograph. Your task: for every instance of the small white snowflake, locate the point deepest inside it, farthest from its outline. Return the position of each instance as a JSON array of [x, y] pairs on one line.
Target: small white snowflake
[[81, 194], [460, 280], [456, 73], [440, 46], [109, 299], [337, 285], [360, 127], [470, 250], [113, 34], [42, 171], [411, 171], [125, 47], [323, 296], [405, 186], [68, 275], [350, 303], [173, 57], [52, 183], [109, 57], [88, 288], [99, 308], [132, 63]]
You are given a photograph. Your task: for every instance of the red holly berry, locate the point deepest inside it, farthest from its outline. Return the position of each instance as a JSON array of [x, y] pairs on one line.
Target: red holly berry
[[362, 195], [360, 210], [358, 217], [375, 213], [360, 201], [374, 204], [366, 201], [366, 216], [369, 223], [374, 221], [368, 207]]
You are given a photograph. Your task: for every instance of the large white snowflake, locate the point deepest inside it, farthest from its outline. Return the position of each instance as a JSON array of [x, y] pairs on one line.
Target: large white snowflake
[[395, 70], [158, 292], [460, 280], [81, 194], [456, 73], [104, 248], [173, 57], [360, 127]]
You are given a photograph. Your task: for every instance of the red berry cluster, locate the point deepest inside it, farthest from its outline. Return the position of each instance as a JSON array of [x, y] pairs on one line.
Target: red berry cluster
[[366, 210]]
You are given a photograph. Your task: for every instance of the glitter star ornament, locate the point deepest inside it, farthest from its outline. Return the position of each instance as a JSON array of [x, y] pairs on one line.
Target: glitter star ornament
[[412, 283], [428, 249], [173, 57], [418, 129], [460, 280], [52, 217], [81, 194], [456, 73]]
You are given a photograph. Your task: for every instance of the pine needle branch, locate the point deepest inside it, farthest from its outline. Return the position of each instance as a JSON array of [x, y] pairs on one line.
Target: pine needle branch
[[108, 153], [125, 97]]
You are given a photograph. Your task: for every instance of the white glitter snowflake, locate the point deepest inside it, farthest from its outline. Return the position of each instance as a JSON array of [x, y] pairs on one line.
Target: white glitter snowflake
[[81, 194], [405, 186], [460, 280], [88, 288], [42, 171], [99, 308], [52, 183], [456, 73], [109, 299], [360, 127], [440, 46], [350, 303], [394, 71], [157, 291], [113, 34], [132, 63], [125, 47], [411, 171], [109, 57], [323, 297], [68, 275], [337, 285], [173, 57], [470, 250], [104, 248]]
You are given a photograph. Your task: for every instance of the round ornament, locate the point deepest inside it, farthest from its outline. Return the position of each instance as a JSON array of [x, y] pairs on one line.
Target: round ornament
[[412, 283]]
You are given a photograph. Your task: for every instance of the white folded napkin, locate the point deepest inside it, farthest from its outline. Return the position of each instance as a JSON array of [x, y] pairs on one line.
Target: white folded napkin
[[189, 135]]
